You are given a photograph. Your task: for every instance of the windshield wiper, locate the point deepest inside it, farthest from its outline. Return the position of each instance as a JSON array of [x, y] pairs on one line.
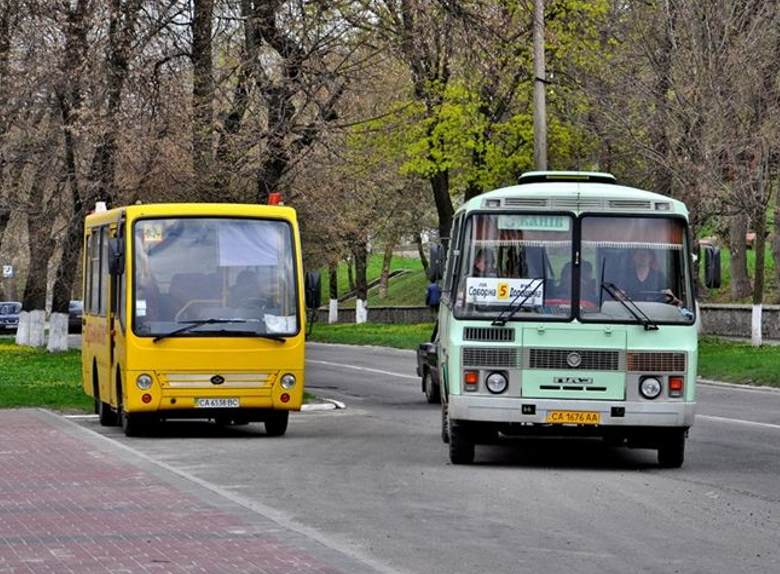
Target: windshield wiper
[[501, 320], [189, 325], [634, 309]]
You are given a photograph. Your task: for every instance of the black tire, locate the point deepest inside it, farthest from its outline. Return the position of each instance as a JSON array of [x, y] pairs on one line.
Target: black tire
[[431, 389], [106, 415], [671, 452], [135, 424], [462, 447], [445, 430], [276, 423]]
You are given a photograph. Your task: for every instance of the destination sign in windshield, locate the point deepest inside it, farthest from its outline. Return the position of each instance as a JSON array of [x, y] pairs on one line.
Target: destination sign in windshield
[[534, 222], [501, 291]]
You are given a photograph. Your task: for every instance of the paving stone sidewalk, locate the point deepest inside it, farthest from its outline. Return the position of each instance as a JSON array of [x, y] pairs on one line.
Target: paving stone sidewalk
[[70, 503]]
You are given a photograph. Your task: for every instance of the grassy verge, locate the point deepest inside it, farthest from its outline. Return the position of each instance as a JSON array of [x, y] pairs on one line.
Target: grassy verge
[[397, 336], [36, 378], [737, 362]]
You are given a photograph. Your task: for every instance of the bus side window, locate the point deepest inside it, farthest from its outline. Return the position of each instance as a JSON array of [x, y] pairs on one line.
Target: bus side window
[[454, 247], [104, 277], [92, 303]]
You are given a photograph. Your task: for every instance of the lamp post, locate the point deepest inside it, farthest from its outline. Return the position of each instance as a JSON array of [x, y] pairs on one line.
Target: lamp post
[[540, 106]]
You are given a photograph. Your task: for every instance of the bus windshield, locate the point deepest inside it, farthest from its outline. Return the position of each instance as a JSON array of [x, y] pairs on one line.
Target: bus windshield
[[530, 266], [223, 276], [635, 263], [516, 263]]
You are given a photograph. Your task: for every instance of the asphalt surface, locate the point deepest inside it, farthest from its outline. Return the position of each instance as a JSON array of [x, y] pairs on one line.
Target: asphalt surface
[[369, 489]]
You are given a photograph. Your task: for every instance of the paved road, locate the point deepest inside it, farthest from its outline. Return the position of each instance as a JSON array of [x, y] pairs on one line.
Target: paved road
[[374, 482]]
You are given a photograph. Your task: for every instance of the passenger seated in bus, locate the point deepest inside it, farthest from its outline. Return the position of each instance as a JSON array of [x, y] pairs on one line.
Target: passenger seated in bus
[[484, 265], [645, 281], [246, 292], [562, 289]]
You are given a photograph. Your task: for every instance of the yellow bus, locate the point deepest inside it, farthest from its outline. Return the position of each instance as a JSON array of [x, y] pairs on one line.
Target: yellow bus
[[194, 311]]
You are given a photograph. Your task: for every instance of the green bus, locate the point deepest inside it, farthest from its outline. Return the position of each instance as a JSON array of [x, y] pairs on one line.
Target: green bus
[[568, 309]]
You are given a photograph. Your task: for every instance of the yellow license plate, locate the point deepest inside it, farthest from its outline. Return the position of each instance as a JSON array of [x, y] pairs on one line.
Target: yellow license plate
[[574, 417]]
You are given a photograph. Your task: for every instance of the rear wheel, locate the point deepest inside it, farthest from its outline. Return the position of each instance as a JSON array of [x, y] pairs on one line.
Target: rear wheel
[[445, 430], [431, 389], [106, 416], [671, 452], [462, 448], [276, 423]]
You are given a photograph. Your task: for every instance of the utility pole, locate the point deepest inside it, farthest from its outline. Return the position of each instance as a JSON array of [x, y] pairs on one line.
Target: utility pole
[[540, 83]]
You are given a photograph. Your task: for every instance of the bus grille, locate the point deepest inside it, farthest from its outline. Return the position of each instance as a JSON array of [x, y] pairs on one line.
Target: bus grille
[[506, 357], [204, 380], [656, 362], [500, 334], [590, 360]]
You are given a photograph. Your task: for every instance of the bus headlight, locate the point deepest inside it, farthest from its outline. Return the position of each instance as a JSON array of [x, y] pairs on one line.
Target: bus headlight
[[496, 383], [144, 382], [650, 387], [288, 381]]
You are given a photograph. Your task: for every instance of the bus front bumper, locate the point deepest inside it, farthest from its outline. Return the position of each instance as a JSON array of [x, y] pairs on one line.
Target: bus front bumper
[[538, 411]]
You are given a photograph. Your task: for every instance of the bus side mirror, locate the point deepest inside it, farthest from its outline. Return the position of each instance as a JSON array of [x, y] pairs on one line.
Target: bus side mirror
[[435, 269], [712, 267], [313, 290], [116, 256]]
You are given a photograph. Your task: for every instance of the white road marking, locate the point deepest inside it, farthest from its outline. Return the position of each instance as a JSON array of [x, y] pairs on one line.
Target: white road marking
[[367, 370], [738, 421]]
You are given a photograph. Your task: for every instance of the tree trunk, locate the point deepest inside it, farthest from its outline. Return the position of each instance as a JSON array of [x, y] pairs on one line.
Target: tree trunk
[[776, 244], [39, 224], [759, 248], [7, 14], [351, 275], [740, 281], [333, 281], [421, 251], [387, 259], [202, 95], [440, 184], [69, 99], [41, 248], [360, 253], [758, 282]]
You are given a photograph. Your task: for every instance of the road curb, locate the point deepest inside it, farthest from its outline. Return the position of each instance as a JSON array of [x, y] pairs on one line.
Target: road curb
[[324, 405], [744, 387]]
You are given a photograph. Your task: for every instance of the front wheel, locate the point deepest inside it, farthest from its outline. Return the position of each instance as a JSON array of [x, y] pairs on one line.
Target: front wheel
[[133, 424], [462, 447], [106, 416], [276, 423], [671, 452], [136, 424]]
